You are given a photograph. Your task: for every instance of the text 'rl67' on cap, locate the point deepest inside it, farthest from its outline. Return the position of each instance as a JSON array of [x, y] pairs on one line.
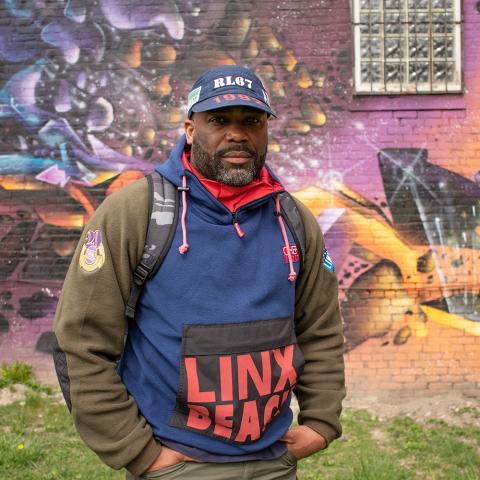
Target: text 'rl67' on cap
[[228, 86]]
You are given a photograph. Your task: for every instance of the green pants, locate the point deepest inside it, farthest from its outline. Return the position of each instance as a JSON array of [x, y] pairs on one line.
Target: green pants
[[283, 468]]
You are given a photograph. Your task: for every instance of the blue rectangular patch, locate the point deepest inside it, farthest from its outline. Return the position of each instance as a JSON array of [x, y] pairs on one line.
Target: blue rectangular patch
[[327, 261]]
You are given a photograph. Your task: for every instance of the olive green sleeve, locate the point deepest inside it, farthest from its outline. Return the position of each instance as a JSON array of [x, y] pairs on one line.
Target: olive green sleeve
[[321, 387], [90, 326]]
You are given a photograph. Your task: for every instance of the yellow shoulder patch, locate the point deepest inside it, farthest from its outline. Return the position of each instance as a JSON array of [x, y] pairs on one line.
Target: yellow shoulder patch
[[92, 256]]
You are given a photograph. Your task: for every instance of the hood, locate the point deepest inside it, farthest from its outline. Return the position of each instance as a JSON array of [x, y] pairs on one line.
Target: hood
[[208, 207], [173, 169]]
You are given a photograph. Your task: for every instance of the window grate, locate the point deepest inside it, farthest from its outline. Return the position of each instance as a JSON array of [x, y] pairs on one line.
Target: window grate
[[407, 46]]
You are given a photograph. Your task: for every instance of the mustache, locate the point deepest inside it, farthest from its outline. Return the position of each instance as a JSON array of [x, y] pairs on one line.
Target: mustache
[[239, 148]]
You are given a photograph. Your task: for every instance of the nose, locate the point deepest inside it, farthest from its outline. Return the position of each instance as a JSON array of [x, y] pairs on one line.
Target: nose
[[235, 132]]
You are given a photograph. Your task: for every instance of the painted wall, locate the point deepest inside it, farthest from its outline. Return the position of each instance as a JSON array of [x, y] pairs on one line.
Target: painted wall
[[92, 94]]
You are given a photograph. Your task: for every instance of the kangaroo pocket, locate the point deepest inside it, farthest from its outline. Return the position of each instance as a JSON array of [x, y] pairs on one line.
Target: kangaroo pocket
[[235, 379]]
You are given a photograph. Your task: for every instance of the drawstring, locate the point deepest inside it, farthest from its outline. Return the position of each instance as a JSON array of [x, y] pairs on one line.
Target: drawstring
[[183, 248], [292, 275]]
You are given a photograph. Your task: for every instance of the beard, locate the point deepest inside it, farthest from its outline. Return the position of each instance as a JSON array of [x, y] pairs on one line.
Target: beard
[[213, 167]]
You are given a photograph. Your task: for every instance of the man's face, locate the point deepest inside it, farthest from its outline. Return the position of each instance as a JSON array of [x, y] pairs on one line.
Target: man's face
[[228, 144]]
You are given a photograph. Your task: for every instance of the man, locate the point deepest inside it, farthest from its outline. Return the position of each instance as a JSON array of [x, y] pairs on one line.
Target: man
[[227, 327]]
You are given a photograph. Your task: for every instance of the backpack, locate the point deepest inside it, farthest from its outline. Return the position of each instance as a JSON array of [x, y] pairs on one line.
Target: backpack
[[163, 216]]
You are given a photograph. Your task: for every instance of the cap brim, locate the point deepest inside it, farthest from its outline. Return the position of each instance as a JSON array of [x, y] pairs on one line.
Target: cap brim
[[216, 102]]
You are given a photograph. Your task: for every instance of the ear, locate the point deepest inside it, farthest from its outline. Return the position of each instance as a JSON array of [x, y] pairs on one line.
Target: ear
[[189, 128]]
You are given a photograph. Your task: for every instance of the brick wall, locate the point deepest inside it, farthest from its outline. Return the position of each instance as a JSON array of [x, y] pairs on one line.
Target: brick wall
[[93, 95]]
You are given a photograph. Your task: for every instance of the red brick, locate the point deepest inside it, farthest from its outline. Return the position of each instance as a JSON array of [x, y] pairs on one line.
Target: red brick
[[405, 114], [440, 386], [430, 114]]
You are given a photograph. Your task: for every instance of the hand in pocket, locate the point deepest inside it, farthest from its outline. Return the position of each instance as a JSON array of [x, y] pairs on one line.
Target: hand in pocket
[[167, 458]]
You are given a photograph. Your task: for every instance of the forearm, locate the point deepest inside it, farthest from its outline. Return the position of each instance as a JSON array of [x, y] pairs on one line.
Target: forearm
[[321, 386], [105, 416]]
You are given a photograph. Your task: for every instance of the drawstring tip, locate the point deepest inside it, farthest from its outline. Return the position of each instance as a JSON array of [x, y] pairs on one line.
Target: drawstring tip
[[292, 277], [238, 229], [183, 248]]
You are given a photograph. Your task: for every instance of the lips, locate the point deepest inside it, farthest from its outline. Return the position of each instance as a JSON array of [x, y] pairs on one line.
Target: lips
[[237, 157]]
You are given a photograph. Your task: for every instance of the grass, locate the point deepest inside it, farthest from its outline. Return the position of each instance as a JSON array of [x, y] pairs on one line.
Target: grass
[[473, 411], [38, 441], [19, 372], [397, 449]]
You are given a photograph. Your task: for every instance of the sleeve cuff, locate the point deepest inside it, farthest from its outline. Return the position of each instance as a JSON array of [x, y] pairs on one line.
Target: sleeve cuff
[[146, 457], [324, 429]]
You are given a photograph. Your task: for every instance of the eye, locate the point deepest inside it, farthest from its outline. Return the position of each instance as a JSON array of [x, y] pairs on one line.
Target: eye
[[218, 120], [253, 120]]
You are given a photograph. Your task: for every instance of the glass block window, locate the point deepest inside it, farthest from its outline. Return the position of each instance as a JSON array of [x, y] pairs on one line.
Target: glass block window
[[407, 46]]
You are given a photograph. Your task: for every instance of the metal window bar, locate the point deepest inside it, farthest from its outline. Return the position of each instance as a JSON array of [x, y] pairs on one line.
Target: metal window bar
[[370, 23], [445, 39], [416, 41], [432, 52], [415, 30], [384, 56]]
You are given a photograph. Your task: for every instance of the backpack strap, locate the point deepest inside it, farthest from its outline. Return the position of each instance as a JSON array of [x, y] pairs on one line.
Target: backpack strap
[[294, 220], [163, 215]]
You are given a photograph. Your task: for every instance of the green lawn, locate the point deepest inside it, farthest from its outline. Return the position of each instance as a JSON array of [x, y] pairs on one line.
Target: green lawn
[[38, 441]]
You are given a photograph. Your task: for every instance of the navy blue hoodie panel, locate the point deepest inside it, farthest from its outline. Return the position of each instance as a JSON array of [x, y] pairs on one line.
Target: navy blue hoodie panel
[[224, 283]]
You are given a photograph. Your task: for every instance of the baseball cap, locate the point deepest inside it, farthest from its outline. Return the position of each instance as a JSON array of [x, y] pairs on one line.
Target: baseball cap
[[228, 86]]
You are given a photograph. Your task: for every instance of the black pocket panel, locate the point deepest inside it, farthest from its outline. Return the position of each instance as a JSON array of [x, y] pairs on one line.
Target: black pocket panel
[[236, 378]]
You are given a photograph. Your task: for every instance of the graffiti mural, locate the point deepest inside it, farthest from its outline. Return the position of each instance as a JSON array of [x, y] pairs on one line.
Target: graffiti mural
[[426, 250], [93, 95]]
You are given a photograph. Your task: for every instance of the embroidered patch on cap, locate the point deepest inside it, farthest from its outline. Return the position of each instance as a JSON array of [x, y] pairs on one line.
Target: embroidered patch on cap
[[92, 256], [327, 261], [193, 97]]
